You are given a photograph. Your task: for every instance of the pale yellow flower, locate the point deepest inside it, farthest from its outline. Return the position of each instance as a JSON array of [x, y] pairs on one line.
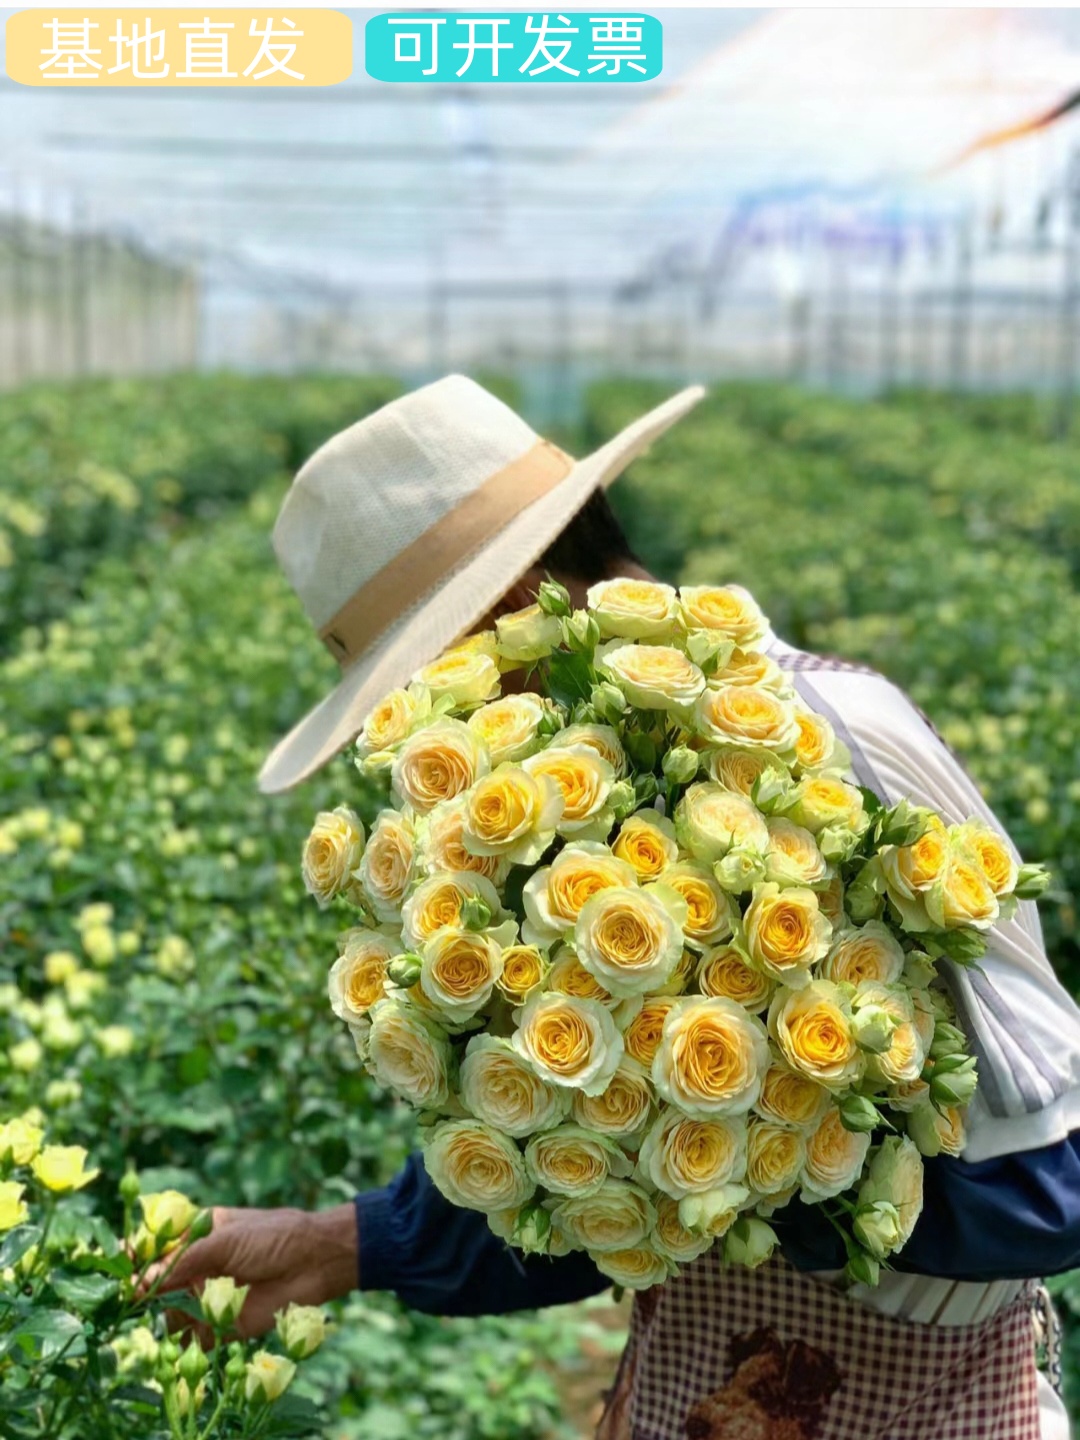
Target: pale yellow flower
[[712, 1057], [409, 1053], [392, 721], [728, 609], [618, 1216], [13, 1209], [792, 1098], [513, 814], [584, 780], [476, 1167], [633, 609], [569, 1041], [710, 821], [437, 763], [61, 1168], [569, 1160], [459, 971], [524, 970], [834, 1158], [653, 677], [357, 977], [462, 676], [20, 1140], [332, 853], [645, 1029], [709, 911], [637, 1268], [867, 952], [386, 868], [991, 853], [622, 1108], [631, 939], [527, 635], [786, 932], [793, 857], [684, 1156], [267, 1377], [167, 1213], [438, 902], [500, 1088], [747, 715], [555, 895], [508, 727], [301, 1329], [724, 972], [812, 1027], [444, 845], [646, 841]]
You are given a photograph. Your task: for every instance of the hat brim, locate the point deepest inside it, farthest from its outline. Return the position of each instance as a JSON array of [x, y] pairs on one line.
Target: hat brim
[[450, 611]]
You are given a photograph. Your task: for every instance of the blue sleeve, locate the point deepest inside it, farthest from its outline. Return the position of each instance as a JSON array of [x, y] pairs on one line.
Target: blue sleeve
[[1011, 1218], [444, 1260]]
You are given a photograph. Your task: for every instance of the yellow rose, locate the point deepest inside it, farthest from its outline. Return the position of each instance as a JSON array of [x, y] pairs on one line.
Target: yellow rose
[[710, 821], [633, 609], [793, 857], [714, 1212], [60, 966], [895, 1175], [866, 952], [672, 1238], [20, 1141], [834, 1159], [638, 1268], [386, 869], [332, 852], [569, 1041], [61, 1168], [584, 780], [392, 721], [358, 976], [815, 747], [791, 1098], [786, 932], [962, 896], [459, 971], [167, 1213], [503, 1091], [438, 901], [647, 843], [680, 978], [524, 970], [775, 1157], [911, 869], [737, 768], [267, 1377], [409, 1053], [513, 814], [622, 1108], [301, 1329], [476, 1167], [617, 1216], [567, 976], [812, 1027], [712, 1057], [13, 1209], [601, 738], [902, 1062], [826, 801], [222, 1301], [709, 915], [555, 896], [508, 727], [937, 1132], [646, 1029], [462, 676], [724, 972], [683, 1156], [437, 763], [443, 845], [570, 1161], [909, 1095], [729, 609], [631, 939], [990, 852], [527, 635], [652, 677], [747, 715], [831, 900]]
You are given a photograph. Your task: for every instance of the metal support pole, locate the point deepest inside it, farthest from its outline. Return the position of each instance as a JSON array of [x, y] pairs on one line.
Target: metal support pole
[[1067, 352]]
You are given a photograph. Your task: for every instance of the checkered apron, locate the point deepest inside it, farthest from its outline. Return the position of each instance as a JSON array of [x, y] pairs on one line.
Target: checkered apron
[[775, 1354]]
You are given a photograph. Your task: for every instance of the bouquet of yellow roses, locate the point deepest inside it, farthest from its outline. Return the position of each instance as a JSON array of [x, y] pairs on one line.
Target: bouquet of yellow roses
[[648, 964]]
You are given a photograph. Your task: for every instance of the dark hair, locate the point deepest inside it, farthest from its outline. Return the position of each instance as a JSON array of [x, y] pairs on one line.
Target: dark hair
[[592, 546]]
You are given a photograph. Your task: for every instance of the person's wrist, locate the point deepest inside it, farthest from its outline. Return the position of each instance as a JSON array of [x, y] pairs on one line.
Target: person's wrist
[[335, 1246]]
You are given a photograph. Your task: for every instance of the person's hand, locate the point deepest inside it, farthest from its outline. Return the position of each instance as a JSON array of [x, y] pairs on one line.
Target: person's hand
[[308, 1257]]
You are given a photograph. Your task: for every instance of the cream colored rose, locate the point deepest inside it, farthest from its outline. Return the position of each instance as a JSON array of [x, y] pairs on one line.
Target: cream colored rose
[[631, 939], [793, 857], [775, 1157], [937, 1132], [834, 1159], [386, 869], [623, 1108], [682, 1156], [358, 976], [737, 768], [866, 952], [570, 1160], [392, 721], [991, 853], [555, 896], [584, 780], [437, 763], [633, 609], [831, 900], [786, 932], [437, 902], [410, 1054], [524, 970], [712, 1057], [567, 976], [646, 841], [681, 976], [513, 814], [652, 677], [443, 845], [752, 667], [459, 971], [464, 677], [812, 1027], [816, 747], [601, 738], [912, 869], [618, 1216], [476, 1167], [962, 896], [728, 609], [747, 715], [709, 910], [713, 1213], [645, 1029], [507, 728], [724, 972], [902, 1063], [909, 1095], [332, 853], [527, 635], [671, 1237], [825, 801], [895, 1175], [791, 1098], [639, 1268], [710, 821], [500, 1089], [569, 1041]]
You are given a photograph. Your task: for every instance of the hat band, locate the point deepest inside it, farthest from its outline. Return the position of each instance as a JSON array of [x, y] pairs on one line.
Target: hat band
[[437, 553]]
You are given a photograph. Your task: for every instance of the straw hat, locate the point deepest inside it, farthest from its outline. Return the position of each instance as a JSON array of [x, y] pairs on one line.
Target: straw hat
[[401, 532]]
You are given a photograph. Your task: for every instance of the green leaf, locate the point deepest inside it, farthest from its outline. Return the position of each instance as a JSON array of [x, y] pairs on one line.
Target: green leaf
[[16, 1243], [83, 1292], [49, 1334]]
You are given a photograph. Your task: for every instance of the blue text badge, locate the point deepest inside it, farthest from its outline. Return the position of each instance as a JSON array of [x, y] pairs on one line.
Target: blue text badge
[[514, 48]]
